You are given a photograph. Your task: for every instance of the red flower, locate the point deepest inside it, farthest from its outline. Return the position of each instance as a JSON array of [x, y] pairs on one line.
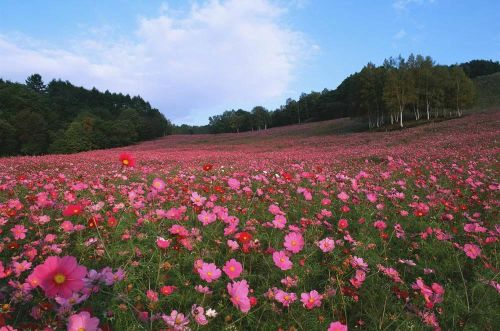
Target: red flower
[[253, 301], [208, 167], [243, 237], [127, 160], [112, 221], [286, 175], [72, 210]]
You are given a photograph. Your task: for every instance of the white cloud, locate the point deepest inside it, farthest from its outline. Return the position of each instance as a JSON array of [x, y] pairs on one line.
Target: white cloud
[[234, 53], [402, 5], [400, 35]]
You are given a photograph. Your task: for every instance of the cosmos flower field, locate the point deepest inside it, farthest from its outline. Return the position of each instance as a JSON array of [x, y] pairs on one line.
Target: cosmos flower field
[[288, 229]]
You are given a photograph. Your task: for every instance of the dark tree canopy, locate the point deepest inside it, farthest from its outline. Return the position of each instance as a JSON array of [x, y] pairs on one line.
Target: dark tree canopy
[[62, 118], [477, 68]]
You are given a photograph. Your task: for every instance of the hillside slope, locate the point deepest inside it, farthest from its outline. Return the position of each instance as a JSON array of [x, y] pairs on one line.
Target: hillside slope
[[488, 91]]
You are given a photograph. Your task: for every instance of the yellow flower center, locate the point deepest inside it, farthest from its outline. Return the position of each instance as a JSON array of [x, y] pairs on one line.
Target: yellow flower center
[[287, 297], [282, 260], [81, 329], [311, 300], [59, 278], [231, 268], [294, 243], [209, 273], [125, 162]]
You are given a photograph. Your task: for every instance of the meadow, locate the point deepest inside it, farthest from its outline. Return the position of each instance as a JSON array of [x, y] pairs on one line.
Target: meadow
[[307, 227]]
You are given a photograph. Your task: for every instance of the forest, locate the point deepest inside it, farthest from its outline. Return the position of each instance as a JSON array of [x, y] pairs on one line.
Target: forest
[[59, 117], [400, 89]]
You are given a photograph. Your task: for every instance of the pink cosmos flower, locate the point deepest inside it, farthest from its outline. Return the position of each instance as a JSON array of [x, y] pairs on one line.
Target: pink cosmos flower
[[163, 243], [379, 225], [167, 289], [19, 231], [20, 267], [158, 184], [198, 312], [233, 245], [7, 328], [294, 242], [372, 197], [358, 278], [337, 326], [326, 245], [239, 295], [203, 289], [67, 226], [279, 221], [358, 262], [206, 218], [82, 321], [233, 183], [233, 269], [59, 276], [311, 299], [209, 272], [152, 295], [197, 199], [343, 196], [472, 251], [176, 320], [285, 298], [281, 260], [275, 210], [343, 223]]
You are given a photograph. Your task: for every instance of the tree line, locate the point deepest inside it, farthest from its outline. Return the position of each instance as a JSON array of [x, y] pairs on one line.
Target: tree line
[[400, 89], [62, 118]]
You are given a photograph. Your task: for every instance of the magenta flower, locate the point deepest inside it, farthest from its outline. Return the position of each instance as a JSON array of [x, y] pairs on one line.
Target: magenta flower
[[233, 183], [279, 221], [285, 298], [162, 242], [19, 231], [311, 299], [59, 276], [326, 245], [206, 218], [337, 326], [233, 269], [82, 321], [343, 196], [197, 199], [152, 295], [158, 184], [209, 272], [176, 320], [472, 251], [239, 295], [294, 242], [281, 260]]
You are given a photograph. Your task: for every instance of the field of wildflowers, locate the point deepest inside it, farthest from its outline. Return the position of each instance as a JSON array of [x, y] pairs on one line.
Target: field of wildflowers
[[258, 231]]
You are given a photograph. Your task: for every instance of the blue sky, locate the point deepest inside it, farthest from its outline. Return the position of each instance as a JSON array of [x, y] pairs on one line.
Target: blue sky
[[193, 59]]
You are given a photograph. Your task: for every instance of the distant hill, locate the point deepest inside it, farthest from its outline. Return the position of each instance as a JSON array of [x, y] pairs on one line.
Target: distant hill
[[487, 91]]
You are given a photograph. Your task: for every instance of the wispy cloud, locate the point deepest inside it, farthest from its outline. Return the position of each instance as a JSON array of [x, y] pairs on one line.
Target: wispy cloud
[[400, 34], [215, 55], [402, 5]]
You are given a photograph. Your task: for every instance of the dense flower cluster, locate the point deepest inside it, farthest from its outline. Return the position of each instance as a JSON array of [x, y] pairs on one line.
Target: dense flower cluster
[[364, 231]]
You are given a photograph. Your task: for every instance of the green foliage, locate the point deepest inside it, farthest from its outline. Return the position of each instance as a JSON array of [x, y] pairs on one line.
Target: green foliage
[[488, 91], [35, 83], [477, 68], [8, 143], [63, 118]]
